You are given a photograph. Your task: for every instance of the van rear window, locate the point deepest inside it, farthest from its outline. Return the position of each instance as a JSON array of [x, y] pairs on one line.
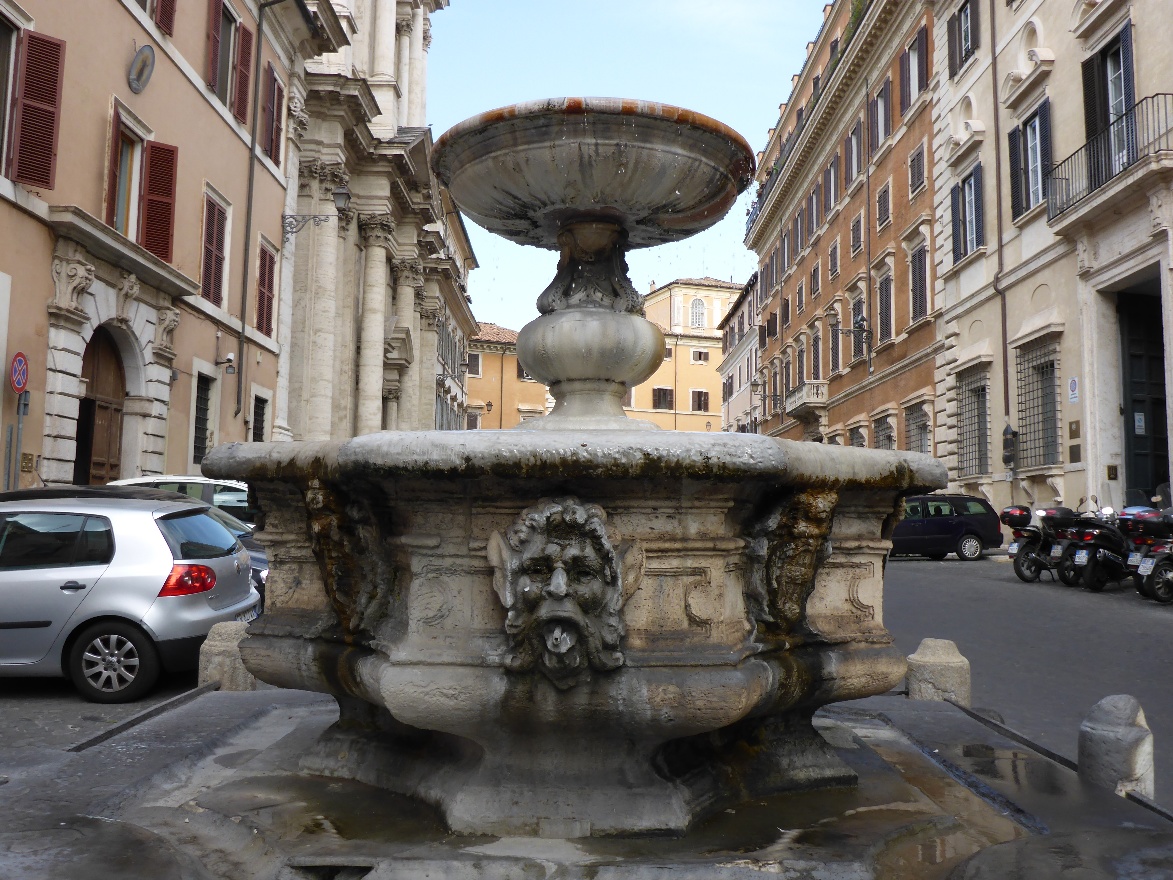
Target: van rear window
[[195, 535]]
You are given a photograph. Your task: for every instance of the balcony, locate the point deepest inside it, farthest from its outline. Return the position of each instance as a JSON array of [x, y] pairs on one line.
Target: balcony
[[1134, 142], [808, 399]]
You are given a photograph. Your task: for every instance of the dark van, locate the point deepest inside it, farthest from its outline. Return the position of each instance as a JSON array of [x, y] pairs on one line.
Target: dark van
[[936, 525]]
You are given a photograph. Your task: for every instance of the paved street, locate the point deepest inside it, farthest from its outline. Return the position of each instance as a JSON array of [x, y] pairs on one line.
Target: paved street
[[1041, 654]]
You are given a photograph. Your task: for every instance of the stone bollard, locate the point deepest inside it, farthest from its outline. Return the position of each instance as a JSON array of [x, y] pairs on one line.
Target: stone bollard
[[220, 658], [937, 671], [1116, 747]]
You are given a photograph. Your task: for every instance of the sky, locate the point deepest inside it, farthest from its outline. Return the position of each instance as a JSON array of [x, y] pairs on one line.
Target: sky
[[729, 59]]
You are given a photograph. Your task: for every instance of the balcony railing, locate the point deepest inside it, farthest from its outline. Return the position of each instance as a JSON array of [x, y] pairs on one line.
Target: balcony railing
[[806, 398], [1142, 131]]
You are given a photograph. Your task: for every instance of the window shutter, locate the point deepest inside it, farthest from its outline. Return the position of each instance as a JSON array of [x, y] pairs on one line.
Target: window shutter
[[979, 211], [1015, 138], [827, 190], [923, 62], [157, 227], [1094, 111], [112, 168], [244, 59], [847, 162], [954, 46], [212, 74], [266, 280], [36, 110], [1045, 145], [905, 82], [267, 111], [165, 16], [886, 307], [975, 25], [859, 140], [958, 244], [873, 124], [278, 119], [212, 279], [1126, 61], [886, 97], [761, 335]]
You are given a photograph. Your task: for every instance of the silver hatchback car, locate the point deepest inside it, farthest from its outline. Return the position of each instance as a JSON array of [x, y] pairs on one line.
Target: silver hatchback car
[[109, 588]]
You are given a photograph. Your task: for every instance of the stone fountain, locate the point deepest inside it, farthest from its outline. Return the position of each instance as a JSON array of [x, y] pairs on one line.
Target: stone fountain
[[587, 627]]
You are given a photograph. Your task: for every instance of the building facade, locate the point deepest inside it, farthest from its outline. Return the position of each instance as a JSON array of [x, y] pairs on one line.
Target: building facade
[[741, 361], [142, 244], [501, 394], [843, 227], [379, 334], [1053, 124], [684, 394]]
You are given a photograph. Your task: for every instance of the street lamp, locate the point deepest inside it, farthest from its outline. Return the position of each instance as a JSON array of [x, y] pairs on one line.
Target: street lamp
[[295, 223], [757, 386], [859, 327]]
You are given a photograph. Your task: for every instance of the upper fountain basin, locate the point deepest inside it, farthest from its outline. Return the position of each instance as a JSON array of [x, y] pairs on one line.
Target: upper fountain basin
[[660, 172]]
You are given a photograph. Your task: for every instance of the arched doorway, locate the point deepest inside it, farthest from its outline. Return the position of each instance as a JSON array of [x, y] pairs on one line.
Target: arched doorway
[[99, 420]]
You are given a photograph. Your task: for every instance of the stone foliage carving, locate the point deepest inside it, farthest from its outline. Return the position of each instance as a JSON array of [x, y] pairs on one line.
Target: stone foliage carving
[[403, 27], [563, 585], [376, 229], [299, 120], [592, 274], [128, 291], [409, 273], [71, 278], [165, 326]]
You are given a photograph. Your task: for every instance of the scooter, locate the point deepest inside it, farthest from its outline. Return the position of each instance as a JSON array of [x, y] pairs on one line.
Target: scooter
[[1102, 551], [1033, 546]]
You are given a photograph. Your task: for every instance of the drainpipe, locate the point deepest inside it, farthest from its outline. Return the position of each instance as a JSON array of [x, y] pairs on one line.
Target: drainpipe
[[248, 210], [998, 289], [867, 228]]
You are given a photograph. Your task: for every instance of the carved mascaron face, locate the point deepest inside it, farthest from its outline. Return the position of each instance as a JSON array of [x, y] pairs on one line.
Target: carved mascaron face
[[559, 579]]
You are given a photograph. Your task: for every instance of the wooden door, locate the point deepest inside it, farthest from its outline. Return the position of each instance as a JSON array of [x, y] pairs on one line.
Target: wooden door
[[99, 429]]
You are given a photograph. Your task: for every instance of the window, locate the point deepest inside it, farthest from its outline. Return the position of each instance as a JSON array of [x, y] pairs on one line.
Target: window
[[629, 398], [816, 357], [123, 181], [700, 401], [800, 298], [884, 306], [973, 418], [260, 418], [668, 349], [787, 376], [1109, 98], [857, 234], [880, 116], [857, 324], [800, 364], [883, 437], [663, 398], [39, 540], [916, 430], [36, 64], [696, 313], [1030, 161], [472, 421], [883, 206], [815, 280], [914, 70], [968, 212], [201, 427], [772, 324], [833, 259], [1038, 404], [786, 312], [799, 232], [196, 535], [214, 265], [229, 62], [700, 355], [834, 349], [266, 287], [523, 375], [274, 116], [964, 35], [855, 437], [916, 169], [853, 154], [474, 364], [918, 266]]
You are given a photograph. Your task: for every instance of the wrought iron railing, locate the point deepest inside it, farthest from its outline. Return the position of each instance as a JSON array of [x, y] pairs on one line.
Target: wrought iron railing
[[1142, 131]]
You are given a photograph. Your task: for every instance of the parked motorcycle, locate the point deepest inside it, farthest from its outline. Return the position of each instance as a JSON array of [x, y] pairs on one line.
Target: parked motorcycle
[[1101, 549], [1032, 546], [1151, 534]]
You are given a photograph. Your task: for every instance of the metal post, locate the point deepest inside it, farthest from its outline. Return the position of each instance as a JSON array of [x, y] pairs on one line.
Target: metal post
[[22, 408], [8, 458]]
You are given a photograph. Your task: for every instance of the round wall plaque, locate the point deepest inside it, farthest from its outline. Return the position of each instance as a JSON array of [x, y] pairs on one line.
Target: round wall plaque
[[141, 69]]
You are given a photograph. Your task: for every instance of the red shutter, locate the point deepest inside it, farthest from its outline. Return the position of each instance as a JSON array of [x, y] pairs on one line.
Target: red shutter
[[212, 277], [244, 60], [36, 111], [112, 171], [215, 14], [165, 16], [157, 229], [265, 283]]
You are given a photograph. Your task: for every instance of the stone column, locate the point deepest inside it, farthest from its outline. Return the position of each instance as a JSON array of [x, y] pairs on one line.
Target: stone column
[[429, 343], [423, 83], [415, 93], [409, 276], [403, 63], [377, 230], [383, 71], [323, 309]]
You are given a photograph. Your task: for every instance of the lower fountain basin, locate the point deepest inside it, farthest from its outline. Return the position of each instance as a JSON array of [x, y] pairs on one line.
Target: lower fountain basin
[[606, 632]]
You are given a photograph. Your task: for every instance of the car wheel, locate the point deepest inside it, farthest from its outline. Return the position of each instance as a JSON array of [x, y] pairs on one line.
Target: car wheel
[[1026, 562], [113, 662], [1161, 582], [969, 548], [936, 557]]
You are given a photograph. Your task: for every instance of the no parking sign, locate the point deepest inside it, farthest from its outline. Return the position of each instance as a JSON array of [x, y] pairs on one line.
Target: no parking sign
[[18, 375]]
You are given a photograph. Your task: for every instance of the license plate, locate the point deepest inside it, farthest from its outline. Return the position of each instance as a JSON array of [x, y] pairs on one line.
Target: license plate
[[1134, 559], [1056, 551], [1012, 549], [247, 616], [1081, 557], [1146, 566]]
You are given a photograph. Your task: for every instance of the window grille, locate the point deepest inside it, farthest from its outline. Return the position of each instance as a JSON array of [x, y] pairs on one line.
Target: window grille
[[885, 307], [800, 297], [919, 269], [833, 260], [834, 350], [857, 233], [260, 416], [883, 437], [916, 429], [816, 281], [788, 375], [973, 422], [855, 437], [916, 169], [800, 361], [472, 421], [663, 398], [816, 358], [700, 401], [203, 405], [1038, 404], [857, 347], [883, 206]]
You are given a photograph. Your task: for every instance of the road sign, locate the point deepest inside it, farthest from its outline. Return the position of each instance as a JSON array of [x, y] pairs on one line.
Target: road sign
[[19, 374]]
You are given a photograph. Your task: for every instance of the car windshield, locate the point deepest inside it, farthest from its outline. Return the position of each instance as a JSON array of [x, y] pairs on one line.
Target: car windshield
[[239, 529], [195, 534]]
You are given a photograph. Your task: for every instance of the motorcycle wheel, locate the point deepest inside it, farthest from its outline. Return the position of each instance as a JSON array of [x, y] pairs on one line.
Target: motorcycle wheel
[[1026, 562], [1065, 568], [1142, 586], [1095, 577], [1161, 582]]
